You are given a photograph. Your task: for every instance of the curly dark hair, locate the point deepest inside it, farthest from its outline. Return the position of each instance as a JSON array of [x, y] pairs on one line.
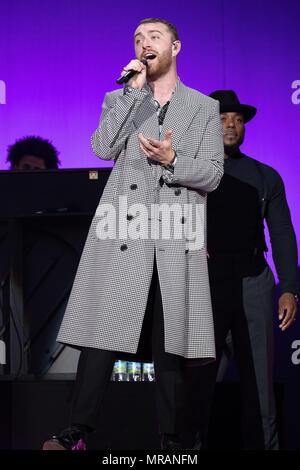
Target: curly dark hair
[[35, 146]]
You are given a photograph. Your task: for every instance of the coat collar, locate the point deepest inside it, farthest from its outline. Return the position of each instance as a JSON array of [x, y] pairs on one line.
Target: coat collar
[[181, 111]]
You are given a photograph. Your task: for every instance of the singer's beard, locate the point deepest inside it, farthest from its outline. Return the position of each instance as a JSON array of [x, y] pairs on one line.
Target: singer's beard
[[158, 69]]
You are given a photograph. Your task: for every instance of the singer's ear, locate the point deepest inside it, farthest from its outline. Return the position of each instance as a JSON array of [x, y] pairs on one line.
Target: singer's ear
[[176, 47]]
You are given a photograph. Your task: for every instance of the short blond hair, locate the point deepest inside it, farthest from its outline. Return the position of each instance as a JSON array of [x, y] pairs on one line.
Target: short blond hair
[[171, 27]]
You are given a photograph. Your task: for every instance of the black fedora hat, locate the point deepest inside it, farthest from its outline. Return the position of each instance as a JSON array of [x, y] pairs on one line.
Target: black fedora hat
[[229, 102]]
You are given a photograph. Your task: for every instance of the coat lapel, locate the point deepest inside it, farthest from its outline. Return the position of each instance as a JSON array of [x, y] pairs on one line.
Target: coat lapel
[[146, 123], [145, 119], [180, 113]]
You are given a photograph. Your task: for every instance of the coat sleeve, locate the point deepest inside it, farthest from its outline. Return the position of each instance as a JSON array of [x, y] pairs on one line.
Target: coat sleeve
[[282, 237], [116, 122], [205, 170]]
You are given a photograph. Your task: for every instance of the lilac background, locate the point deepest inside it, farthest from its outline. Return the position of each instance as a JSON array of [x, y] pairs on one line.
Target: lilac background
[[59, 57]]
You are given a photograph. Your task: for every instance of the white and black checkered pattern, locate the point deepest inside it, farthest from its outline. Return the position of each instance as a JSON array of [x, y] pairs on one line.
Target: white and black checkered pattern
[[108, 300]]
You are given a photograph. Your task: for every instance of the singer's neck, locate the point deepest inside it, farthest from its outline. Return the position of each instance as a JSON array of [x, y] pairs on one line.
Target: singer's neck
[[162, 88]]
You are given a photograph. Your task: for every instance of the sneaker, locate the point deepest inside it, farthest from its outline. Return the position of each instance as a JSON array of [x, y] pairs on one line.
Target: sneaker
[[73, 438]]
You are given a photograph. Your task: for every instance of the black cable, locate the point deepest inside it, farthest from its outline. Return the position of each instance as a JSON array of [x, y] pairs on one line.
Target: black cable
[[21, 356], [4, 325], [20, 347]]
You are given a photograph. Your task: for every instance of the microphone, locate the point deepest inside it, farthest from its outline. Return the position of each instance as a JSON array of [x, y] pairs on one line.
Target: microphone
[[128, 75]]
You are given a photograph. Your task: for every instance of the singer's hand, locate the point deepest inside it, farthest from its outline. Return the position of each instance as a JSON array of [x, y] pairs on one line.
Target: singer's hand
[[159, 150], [138, 80]]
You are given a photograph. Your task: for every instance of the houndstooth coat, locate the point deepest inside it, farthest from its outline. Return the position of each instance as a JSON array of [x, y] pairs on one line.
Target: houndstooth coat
[[109, 295]]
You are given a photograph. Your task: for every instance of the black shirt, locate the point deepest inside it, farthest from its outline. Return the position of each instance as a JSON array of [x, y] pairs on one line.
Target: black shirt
[[234, 217]]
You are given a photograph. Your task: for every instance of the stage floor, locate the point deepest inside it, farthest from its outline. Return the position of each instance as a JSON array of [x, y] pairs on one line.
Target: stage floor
[[32, 410]]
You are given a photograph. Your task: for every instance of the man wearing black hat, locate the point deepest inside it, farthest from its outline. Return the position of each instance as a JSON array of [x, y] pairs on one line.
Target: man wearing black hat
[[241, 281]]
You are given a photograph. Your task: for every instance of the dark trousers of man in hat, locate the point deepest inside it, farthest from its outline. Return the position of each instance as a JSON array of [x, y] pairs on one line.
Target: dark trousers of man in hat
[[241, 281]]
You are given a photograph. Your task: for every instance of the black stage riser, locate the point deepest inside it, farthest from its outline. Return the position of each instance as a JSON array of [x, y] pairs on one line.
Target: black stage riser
[[32, 410]]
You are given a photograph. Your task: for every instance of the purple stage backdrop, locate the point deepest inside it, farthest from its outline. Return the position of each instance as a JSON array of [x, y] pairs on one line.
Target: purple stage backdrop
[[59, 57]]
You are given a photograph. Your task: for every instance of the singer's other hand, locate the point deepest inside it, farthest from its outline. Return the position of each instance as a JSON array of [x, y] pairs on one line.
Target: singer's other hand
[[138, 80], [159, 150]]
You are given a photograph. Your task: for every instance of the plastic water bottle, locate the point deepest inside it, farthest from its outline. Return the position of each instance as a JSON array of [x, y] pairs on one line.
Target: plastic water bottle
[[120, 371], [148, 372], [134, 371]]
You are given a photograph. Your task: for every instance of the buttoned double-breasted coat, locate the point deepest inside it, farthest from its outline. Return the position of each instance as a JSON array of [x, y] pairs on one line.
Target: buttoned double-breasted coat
[[107, 303]]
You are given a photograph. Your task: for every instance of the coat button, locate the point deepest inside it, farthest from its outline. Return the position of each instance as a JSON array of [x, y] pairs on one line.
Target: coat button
[[133, 186], [123, 247], [129, 217], [177, 192]]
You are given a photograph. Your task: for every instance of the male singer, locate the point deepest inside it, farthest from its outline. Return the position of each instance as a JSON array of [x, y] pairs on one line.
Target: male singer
[[166, 143]]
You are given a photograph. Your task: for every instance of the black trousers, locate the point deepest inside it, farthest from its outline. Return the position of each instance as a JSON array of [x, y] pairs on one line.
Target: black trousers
[[95, 368]]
